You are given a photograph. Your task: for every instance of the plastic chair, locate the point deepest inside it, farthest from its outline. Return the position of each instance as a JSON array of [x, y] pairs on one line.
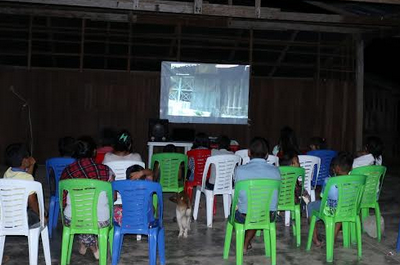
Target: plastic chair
[[259, 196], [273, 160], [119, 168], [286, 201], [84, 196], [200, 157], [54, 169], [170, 164], [14, 218], [350, 190], [372, 190], [326, 157], [311, 164], [244, 155], [225, 166], [138, 217], [398, 241]]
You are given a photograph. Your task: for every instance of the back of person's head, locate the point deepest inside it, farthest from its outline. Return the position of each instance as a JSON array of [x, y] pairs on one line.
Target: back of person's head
[[342, 163], [259, 148], [289, 158], [123, 142], [85, 147], [107, 136], [169, 148], [224, 142], [288, 140], [132, 169], [15, 153], [374, 146], [318, 143], [201, 140], [66, 146]]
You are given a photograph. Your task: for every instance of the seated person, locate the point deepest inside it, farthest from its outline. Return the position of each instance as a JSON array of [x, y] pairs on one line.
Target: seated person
[[134, 172], [372, 153], [66, 146], [257, 168], [123, 149], [341, 165], [201, 141], [21, 165], [223, 149]]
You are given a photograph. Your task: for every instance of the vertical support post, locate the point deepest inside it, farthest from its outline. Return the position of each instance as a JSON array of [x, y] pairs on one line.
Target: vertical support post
[[107, 46], [258, 8], [129, 47], [178, 52], [29, 59], [359, 91], [319, 59], [82, 45], [251, 47], [198, 6]]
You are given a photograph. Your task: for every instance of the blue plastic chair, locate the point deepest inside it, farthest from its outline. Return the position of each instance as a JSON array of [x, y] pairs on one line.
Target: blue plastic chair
[[54, 168], [398, 241], [326, 158], [138, 217]]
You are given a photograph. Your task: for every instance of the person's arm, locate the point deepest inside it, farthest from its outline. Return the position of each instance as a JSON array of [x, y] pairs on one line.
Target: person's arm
[[33, 203], [147, 173]]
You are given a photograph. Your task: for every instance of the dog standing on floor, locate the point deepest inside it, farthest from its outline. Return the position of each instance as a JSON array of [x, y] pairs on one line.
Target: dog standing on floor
[[183, 214]]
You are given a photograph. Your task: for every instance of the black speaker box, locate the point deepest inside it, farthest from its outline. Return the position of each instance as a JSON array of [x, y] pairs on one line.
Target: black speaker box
[[158, 130]]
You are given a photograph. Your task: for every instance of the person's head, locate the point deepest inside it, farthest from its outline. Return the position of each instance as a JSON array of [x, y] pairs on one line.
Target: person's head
[[66, 146], [17, 155], [289, 159], [317, 143], [123, 142], [169, 148], [107, 137], [85, 147], [288, 140], [342, 163], [224, 142], [201, 140], [259, 148], [133, 169], [374, 146]]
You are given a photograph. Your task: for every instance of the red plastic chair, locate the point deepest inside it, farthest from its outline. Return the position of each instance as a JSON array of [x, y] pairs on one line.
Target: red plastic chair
[[200, 157]]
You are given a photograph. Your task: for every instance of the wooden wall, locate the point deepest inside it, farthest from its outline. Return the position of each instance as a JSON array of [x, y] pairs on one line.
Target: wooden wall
[[68, 102]]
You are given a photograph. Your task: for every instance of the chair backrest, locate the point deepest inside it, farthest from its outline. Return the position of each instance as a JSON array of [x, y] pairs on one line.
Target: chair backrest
[[224, 167], [170, 164], [244, 155], [13, 204], [350, 189], [259, 194], [289, 176], [119, 167], [311, 164], [54, 169], [200, 158], [137, 203], [84, 195], [273, 160], [326, 157], [373, 183]]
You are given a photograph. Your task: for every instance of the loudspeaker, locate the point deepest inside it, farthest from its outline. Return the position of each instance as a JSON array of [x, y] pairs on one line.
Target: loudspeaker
[[158, 130]]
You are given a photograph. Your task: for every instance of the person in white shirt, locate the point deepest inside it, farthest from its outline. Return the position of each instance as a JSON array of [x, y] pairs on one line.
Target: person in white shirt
[[122, 149], [372, 153]]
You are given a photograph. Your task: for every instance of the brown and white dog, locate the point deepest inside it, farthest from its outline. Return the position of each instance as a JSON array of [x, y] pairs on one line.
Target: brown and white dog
[[183, 213]]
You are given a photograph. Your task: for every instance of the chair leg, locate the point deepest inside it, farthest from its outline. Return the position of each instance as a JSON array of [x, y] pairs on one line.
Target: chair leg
[[297, 221], [196, 204], [346, 234], [330, 238], [33, 240], [267, 242], [353, 238], [378, 222], [152, 237], [161, 245], [398, 240], [51, 213], [56, 212], [239, 229], [70, 244], [65, 245], [226, 204], [359, 237], [103, 242], [46, 245], [228, 238], [209, 208], [116, 246], [311, 232], [2, 242], [189, 192], [272, 231], [287, 218]]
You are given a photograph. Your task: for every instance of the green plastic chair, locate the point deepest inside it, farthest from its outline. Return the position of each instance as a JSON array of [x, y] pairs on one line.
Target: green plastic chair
[[286, 200], [350, 190], [169, 164], [372, 190], [259, 195], [84, 195]]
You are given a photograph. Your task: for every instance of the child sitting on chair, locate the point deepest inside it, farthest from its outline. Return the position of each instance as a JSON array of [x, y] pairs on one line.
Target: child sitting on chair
[[341, 165]]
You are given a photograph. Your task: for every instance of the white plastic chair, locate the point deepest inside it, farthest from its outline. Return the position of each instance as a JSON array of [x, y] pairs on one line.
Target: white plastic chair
[[244, 155], [273, 160], [225, 166], [311, 164], [14, 218]]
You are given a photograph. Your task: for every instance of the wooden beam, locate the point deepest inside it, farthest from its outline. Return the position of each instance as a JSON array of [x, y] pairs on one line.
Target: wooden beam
[[283, 54], [330, 8], [393, 2], [359, 92], [198, 6]]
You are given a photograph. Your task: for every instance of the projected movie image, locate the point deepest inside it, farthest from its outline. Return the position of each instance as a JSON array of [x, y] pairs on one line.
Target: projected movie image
[[204, 93]]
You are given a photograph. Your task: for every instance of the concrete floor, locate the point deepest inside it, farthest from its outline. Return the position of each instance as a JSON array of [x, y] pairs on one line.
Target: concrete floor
[[205, 245]]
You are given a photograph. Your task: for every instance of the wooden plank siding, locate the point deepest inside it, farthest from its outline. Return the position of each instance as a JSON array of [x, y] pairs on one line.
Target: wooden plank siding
[[67, 102]]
